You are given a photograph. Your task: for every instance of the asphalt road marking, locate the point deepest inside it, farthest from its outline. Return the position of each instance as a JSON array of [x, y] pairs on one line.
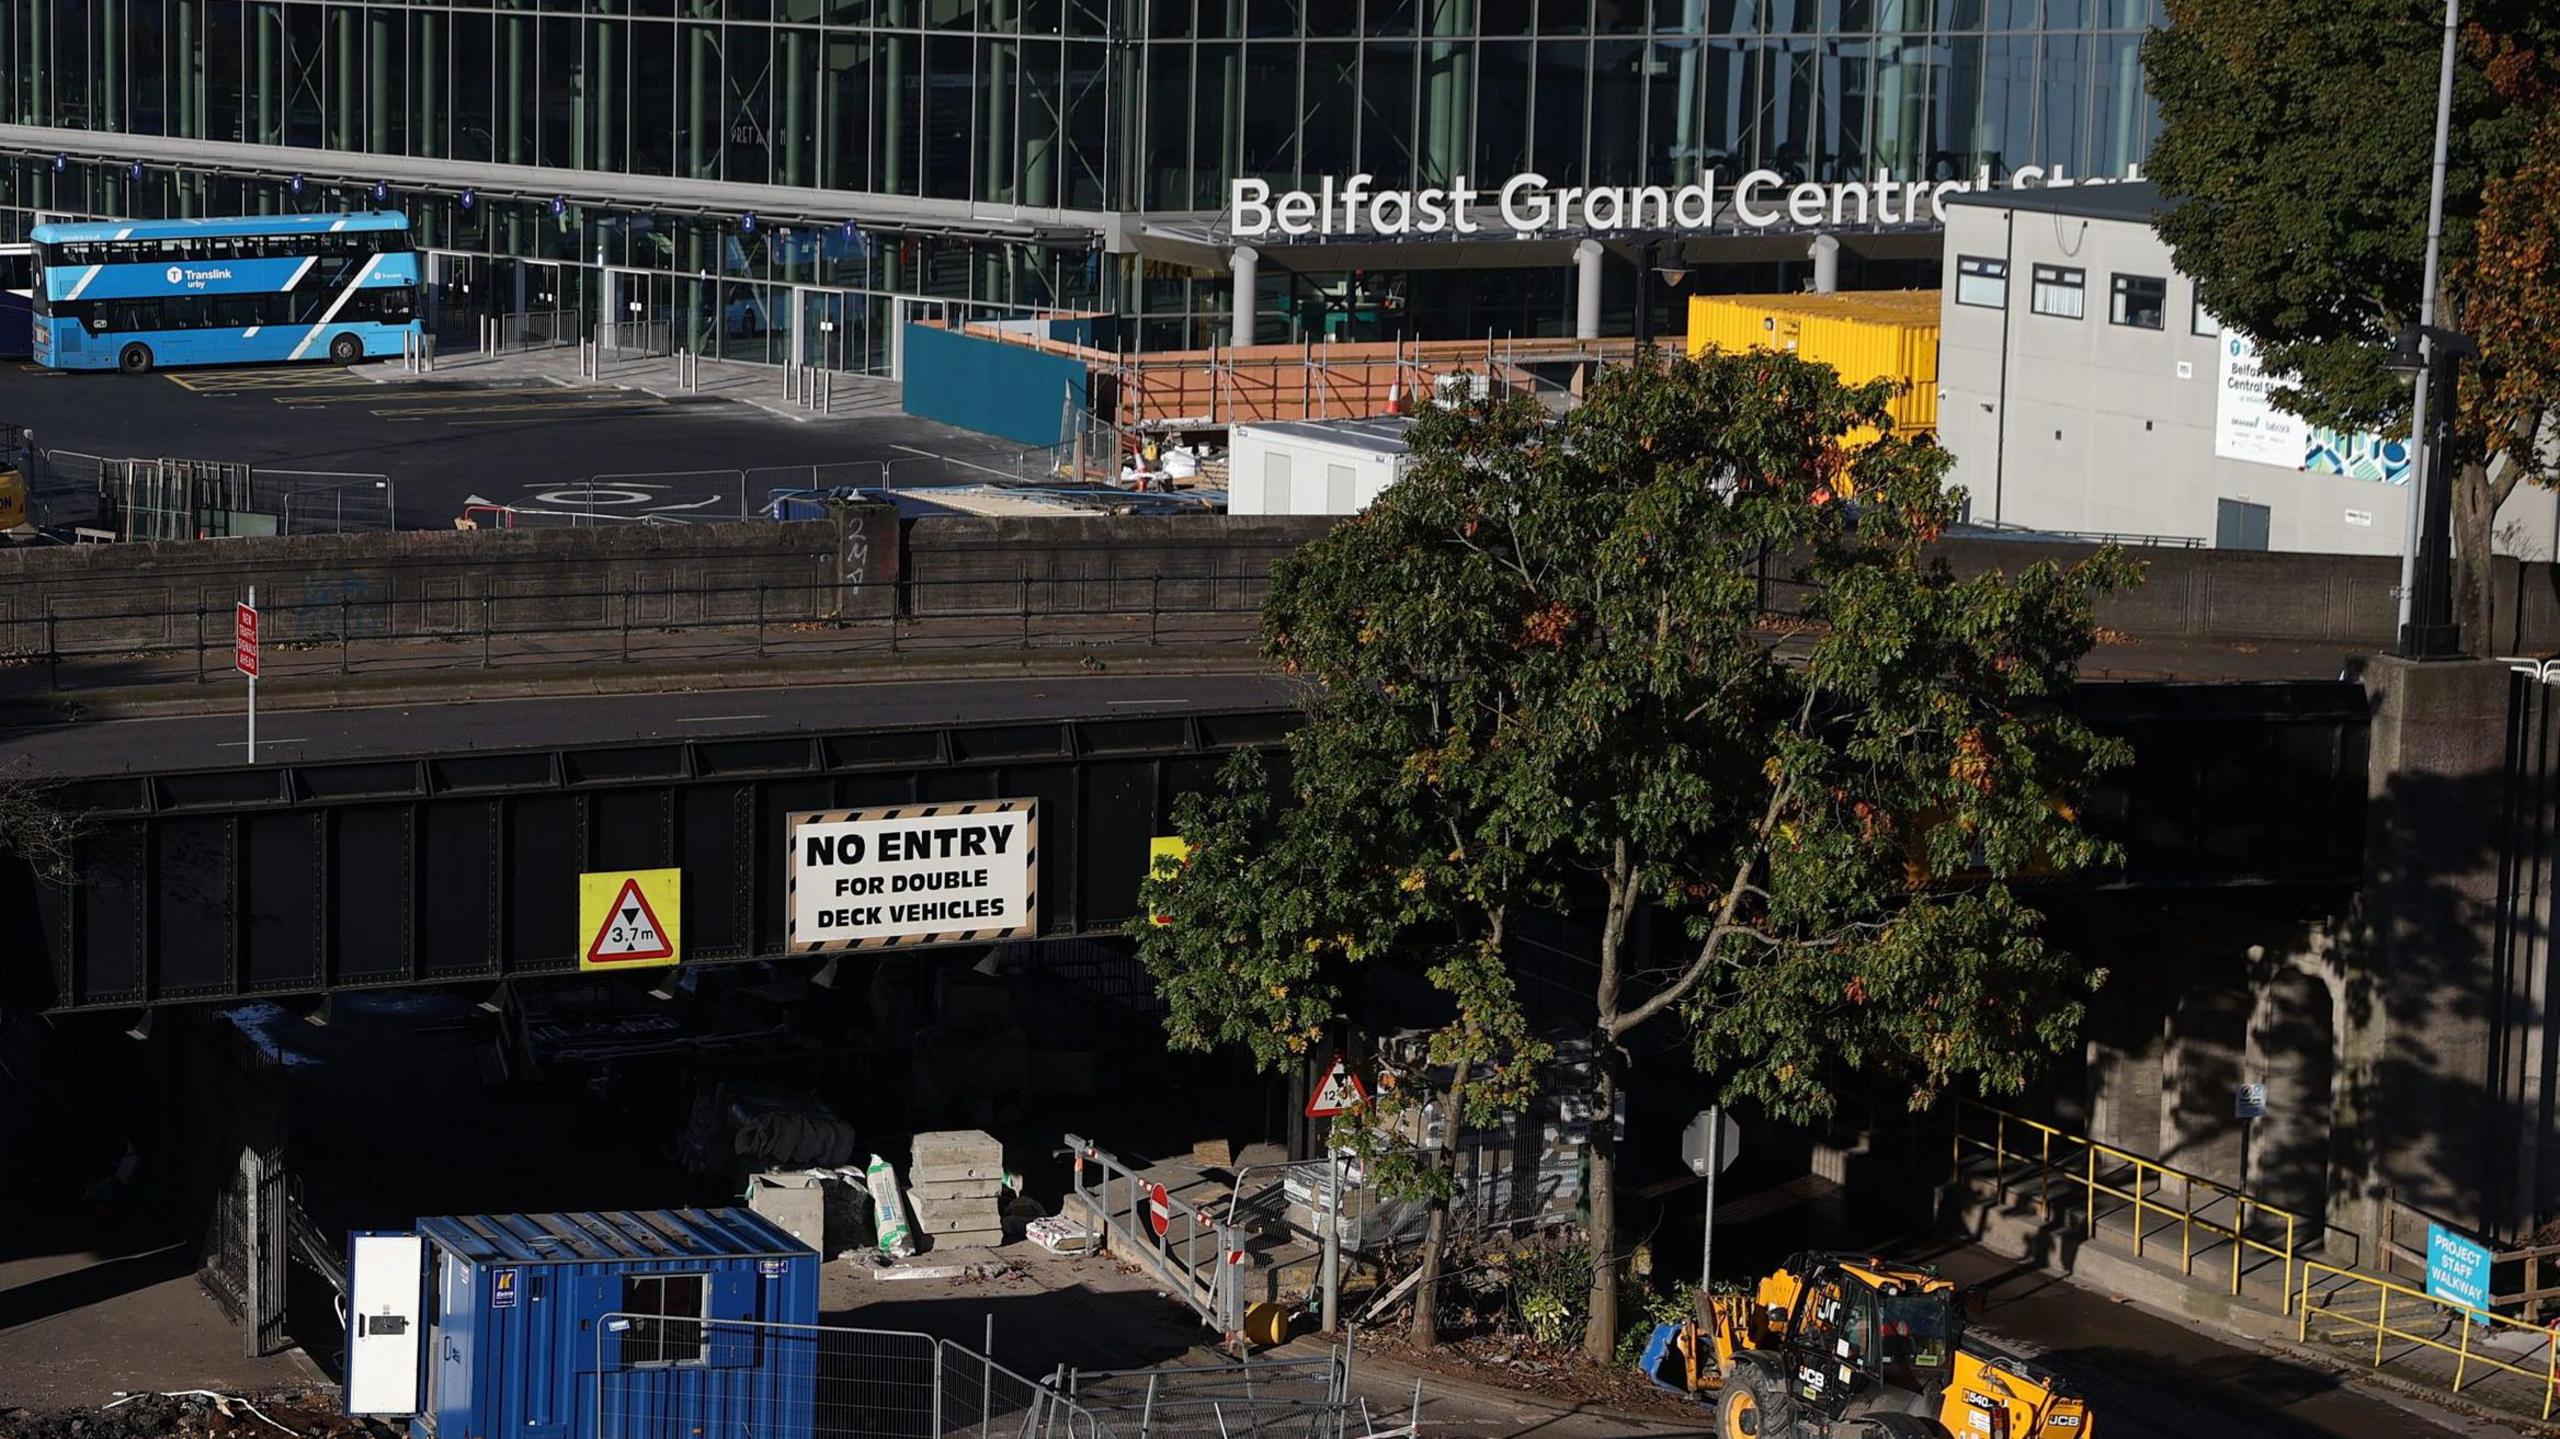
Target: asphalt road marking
[[628, 402], [228, 382]]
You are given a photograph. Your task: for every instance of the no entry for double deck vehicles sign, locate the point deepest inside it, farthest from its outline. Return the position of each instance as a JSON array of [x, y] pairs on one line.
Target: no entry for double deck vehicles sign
[[913, 875]]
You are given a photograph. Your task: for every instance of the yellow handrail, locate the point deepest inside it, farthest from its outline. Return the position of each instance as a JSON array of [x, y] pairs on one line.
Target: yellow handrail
[[2462, 1315], [2149, 1179]]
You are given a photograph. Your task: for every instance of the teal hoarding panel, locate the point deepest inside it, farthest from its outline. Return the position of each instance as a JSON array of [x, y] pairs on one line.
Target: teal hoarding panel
[[995, 387]]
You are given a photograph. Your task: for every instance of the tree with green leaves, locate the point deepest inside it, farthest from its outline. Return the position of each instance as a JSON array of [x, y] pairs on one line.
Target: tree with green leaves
[[2298, 143], [1544, 679]]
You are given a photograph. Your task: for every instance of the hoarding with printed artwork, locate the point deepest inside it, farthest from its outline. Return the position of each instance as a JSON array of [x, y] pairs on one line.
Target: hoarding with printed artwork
[[2248, 426]]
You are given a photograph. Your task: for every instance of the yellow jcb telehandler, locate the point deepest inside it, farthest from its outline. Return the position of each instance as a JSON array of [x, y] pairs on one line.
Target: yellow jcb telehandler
[[1841, 1345]]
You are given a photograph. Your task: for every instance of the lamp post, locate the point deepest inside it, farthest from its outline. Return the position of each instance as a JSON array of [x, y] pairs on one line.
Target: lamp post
[[2422, 431], [2427, 357]]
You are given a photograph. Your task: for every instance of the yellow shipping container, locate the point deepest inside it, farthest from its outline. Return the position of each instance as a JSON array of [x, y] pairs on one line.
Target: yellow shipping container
[[1863, 334]]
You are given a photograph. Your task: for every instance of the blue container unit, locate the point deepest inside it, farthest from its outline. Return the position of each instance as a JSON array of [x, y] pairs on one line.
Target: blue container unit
[[629, 1324]]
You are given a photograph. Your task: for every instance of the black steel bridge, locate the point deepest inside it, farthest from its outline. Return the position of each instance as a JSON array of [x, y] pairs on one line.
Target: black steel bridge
[[372, 871]]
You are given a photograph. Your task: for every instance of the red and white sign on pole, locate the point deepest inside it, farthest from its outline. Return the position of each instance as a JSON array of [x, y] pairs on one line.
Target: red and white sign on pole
[[1340, 1092], [244, 658], [244, 639], [1159, 1210]]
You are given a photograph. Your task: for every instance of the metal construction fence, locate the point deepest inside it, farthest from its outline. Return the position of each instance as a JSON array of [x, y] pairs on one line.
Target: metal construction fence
[[356, 632], [664, 1377], [1272, 1398], [162, 498]]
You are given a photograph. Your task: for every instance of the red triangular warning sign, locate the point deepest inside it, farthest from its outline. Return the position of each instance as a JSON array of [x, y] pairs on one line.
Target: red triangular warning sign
[[1340, 1091], [630, 933]]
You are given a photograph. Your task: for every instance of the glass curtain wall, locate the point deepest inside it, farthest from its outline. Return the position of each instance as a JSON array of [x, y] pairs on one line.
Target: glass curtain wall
[[1078, 105], [1023, 102]]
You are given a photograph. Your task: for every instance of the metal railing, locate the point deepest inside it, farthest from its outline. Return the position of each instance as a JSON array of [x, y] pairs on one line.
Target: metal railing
[[528, 330], [2531, 1265], [2507, 1346], [1200, 1257], [350, 632], [658, 1375], [625, 339], [2058, 1160]]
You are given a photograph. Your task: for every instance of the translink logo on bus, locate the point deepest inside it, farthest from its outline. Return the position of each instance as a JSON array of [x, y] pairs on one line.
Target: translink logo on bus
[[194, 279], [1525, 204]]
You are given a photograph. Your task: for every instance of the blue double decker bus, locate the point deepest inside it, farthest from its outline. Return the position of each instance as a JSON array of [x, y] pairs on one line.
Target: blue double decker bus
[[135, 294]]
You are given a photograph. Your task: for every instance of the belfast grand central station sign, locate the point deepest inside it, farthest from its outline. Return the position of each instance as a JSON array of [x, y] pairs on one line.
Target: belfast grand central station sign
[[1527, 205]]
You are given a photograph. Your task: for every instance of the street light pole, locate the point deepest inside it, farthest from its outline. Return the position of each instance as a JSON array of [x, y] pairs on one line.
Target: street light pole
[[2432, 631], [2424, 471]]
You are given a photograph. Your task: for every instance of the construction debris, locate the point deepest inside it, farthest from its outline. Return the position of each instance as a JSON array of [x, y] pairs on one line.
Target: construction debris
[[1060, 1235], [888, 1215]]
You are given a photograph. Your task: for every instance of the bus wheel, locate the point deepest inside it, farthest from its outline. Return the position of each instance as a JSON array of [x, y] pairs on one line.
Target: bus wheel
[[346, 349], [135, 359]]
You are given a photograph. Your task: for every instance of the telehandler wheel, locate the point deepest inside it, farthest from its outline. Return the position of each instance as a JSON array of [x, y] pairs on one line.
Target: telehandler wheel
[[1745, 1409]]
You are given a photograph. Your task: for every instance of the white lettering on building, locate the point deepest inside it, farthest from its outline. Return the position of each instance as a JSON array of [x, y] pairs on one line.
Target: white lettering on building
[[1527, 204]]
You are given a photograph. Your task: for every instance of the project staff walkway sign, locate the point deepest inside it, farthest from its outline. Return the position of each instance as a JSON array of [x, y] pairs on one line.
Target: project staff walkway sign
[[630, 919], [911, 875]]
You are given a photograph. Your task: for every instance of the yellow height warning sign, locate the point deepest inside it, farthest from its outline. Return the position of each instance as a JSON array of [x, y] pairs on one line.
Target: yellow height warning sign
[[1165, 856], [630, 919]]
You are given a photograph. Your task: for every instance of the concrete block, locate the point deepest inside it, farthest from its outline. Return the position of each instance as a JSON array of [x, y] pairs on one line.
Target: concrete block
[[956, 1143], [986, 1189], [968, 1239], [935, 1216], [796, 1202]]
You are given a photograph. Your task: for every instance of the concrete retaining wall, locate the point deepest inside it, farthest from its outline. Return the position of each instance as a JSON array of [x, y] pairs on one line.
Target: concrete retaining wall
[[1103, 564], [79, 598], [434, 582]]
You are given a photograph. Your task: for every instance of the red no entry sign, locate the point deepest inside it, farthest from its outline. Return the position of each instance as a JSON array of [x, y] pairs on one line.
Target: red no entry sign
[[244, 640], [1159, 1210]]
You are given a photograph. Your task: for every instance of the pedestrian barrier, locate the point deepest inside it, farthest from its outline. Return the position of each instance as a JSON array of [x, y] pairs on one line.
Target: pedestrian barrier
[[2480, 1340], [1199, 1257], [2112, 1184]]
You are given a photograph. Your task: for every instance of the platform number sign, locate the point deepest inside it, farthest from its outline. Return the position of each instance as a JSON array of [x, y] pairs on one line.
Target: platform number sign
[[1339, 1092], [628, 919]]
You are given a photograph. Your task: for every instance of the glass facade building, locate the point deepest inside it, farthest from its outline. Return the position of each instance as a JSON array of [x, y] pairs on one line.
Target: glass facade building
[[1008, 153]]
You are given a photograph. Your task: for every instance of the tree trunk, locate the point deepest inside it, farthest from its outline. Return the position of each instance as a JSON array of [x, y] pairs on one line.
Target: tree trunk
[[1600, 1341], [1435, 1237], [2475, 517]]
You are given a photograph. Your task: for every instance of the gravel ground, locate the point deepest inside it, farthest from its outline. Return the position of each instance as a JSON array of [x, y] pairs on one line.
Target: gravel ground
[[303, 1415]]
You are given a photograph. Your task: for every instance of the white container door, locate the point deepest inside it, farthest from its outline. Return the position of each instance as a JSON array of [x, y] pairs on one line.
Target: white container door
[[385, 1324]]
